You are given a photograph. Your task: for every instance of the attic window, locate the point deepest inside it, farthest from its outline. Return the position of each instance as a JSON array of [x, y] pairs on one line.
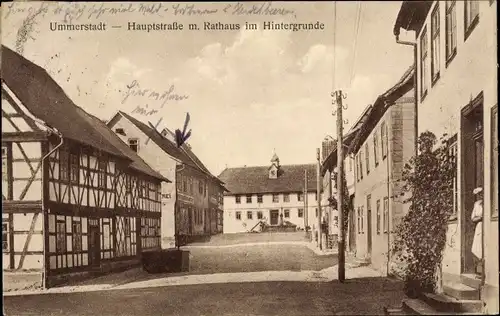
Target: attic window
[[133, 143], [120, 131]]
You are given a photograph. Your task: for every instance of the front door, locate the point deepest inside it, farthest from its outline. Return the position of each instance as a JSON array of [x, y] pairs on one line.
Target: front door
[[472, 170], [274, 217], [94, 243]]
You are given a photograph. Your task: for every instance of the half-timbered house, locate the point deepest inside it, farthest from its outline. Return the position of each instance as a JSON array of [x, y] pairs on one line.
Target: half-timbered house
[[76, 200]]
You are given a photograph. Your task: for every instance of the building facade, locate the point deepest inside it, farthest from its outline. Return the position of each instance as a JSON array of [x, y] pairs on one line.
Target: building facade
[[384, 144], [76, 200], [186, 210], [455, 45], [272, 194]]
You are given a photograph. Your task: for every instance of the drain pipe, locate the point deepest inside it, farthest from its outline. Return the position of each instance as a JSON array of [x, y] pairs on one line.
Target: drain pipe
[[415, 121], [54, 131]]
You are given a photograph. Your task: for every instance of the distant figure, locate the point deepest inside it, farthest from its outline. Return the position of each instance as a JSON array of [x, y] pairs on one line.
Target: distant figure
[[477, 217], [281, 219]]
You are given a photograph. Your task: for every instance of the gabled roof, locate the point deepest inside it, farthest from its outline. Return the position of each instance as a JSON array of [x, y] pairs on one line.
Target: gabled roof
[[137, 162], [47, 101], [255, 180], [183, 154], [382, 103]]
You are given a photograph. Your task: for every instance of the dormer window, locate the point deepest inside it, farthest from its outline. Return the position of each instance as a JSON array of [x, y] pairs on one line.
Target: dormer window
[[273, 172], [120, 131]]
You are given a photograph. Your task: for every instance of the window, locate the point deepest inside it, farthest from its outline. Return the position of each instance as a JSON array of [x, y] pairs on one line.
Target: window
[[383, 139], [184, 184], [435, 44], [61, 237], [369, 208], [357, 167], [494, 162], [375, 148], [191, 185], [336, 221], [423, 64], [316, 210], [286, 197], [120, 131], [63, 165], [127, 227], [378, 217], [287, 213], [361, 165], [5, 235], [471, 12], [454, 154], [386, 214], [77, 236], [74, 171], [250, 215], [133, 143], [367, 158], [259, 215], [249, 199], [451, 30], [300, 197], [5, 172], [362, 219], [102, 174], [238, 215], [275, 198], [300, 213], [315, 196], [359, 220], [201, 187], [238, 199], [350, 163]]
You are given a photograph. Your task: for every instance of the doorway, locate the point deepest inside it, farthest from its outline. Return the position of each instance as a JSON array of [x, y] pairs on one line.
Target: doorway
[[274, 217], [472, 166], [94, 243]]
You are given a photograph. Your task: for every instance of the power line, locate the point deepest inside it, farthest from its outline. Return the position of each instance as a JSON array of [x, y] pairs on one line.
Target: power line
[[355, 44], [334, 41]]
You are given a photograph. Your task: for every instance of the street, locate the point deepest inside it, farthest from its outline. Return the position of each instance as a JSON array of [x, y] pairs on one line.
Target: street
[[356, 297]]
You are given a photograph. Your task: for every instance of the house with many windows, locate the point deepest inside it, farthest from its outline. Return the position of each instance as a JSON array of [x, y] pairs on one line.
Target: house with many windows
[[190, 208], [455, 45], [383, 145], [272, 194], [76, 200]]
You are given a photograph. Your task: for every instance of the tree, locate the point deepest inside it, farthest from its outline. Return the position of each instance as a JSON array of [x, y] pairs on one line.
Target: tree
[[346, 201], [421, 236]]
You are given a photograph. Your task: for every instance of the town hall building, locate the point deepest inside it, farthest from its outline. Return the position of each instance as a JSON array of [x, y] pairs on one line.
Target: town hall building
[[272, 194]]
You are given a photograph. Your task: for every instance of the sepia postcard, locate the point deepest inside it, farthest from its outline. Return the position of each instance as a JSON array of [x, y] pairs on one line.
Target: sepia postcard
[[249, 158]]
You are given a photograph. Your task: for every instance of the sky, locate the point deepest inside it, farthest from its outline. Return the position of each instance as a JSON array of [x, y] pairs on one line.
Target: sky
[[249, 93]]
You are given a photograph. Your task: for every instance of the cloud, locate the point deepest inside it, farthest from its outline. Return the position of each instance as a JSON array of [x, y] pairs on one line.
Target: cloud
[[319, 58], [123, 71]]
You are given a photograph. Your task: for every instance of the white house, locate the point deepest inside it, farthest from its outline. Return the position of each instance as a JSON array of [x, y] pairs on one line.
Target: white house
[[455, 47], [273, 194]]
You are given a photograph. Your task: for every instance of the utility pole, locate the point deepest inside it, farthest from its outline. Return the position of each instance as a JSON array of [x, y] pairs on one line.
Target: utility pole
[[318, 195], [340, 189], [306, 211]]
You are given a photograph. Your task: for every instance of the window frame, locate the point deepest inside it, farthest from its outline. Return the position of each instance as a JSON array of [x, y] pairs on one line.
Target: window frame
[[6, 235], [129, 142], [375, 147], [300, 213], [238, 215], [259, 198], [260, 215], [386, 215], [378, 217], [237, 199], [248, 199], [286, 213], [367, 157], [470, 25], [300, 197], [435, 44], [453, 151], [251, 215], [450, 30], [286, 197], [423, 63], [276, 198]]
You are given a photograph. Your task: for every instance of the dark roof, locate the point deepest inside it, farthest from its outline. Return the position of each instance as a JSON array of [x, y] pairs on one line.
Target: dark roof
[[184, 154], [107, 133], [252, 180], [331, 161], [412, 15], [382, 103], [47, 101]]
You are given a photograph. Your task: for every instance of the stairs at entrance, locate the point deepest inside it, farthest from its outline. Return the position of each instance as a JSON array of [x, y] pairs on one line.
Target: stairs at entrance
[[458, 298]]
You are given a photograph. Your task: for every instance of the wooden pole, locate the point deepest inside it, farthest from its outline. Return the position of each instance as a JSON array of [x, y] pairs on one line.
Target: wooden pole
[[318, 194], [306, 211], [340, 189]]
